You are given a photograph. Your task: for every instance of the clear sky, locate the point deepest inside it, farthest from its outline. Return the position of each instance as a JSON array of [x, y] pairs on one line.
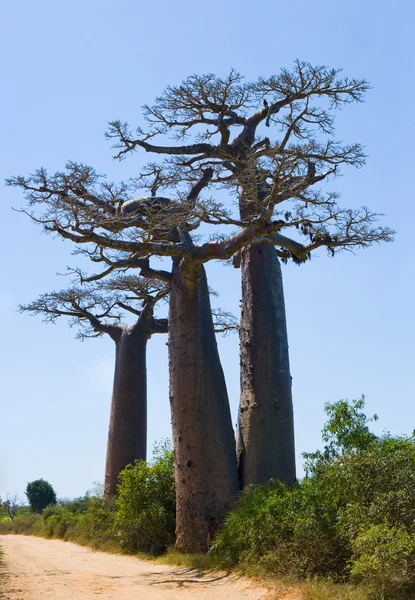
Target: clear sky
[[67, 69]]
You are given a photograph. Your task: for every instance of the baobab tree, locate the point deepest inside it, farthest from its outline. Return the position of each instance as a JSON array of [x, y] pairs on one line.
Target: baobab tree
[[222, 124], [124, 234], [97, 309], [119, 232]]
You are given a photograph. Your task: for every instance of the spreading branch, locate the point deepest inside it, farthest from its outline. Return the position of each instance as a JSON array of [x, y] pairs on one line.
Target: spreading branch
[[101, 308], [276, 180], [279, 178]]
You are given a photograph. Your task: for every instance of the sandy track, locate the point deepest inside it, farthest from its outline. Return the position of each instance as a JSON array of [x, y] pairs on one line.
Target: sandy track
[[39, 569]]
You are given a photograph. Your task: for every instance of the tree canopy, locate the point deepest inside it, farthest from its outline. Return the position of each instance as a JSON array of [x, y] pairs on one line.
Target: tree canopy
[[40, 494]]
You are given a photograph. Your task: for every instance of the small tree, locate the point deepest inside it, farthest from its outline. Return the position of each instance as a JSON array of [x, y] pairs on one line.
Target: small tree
[[10, 506], [146, 504], [40, 494], [346, 430]]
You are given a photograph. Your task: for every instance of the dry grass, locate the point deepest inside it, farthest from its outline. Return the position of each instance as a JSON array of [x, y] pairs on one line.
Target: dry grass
[[325, 590], [196, 561]]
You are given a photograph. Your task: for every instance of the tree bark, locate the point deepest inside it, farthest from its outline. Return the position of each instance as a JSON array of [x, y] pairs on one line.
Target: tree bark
[[265, 432], [204, 443], [127, 436]]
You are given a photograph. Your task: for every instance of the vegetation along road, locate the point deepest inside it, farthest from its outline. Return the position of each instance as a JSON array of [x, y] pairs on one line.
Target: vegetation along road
[[36, 568]]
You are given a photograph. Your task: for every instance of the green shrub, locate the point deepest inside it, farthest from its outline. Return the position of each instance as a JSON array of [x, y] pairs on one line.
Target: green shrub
[[77, 506], [358, 485], [142, 517], [283, 530], [261, 518], [146, 504], [384, 560], [24, 524], [345, 431], [57, 521], [96, 525]]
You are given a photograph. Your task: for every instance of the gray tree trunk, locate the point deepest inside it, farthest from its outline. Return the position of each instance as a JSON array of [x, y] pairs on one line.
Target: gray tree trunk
[[127, 436], [204, 443], [265, 432]]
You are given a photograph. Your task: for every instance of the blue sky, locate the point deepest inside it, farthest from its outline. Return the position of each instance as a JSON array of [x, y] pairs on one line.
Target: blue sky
[[68, 69]]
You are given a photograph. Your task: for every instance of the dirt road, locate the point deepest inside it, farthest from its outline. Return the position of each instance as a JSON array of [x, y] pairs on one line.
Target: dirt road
[[38, 569]]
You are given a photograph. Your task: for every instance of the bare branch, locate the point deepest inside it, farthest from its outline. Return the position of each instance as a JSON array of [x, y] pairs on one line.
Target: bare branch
[[95, 309], [225, 322]]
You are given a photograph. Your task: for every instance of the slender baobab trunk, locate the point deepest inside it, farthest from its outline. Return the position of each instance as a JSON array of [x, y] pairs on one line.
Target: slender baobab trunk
[[127, 436], [204, 443], [265, 434]]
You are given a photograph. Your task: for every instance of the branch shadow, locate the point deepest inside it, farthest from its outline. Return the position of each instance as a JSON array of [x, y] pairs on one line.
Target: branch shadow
[[190, 575]]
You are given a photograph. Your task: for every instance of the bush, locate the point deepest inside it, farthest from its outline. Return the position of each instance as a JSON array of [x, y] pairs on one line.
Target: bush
[[57, 521], [95, 526], [77, 506], [24, 524], [40, 494], [384, 560], [282, 530], [146, 504], [142, 517], [262, 517], [331, 524]]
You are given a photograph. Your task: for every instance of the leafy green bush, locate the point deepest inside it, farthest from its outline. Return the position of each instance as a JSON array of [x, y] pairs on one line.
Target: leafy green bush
[[384, 560], [352, 519], [77, 506], [345, 431], [253, 528], [57, 521], [282, 530], [146, 504], [95, 526], [357, 487], [142, 517], [24, 524]]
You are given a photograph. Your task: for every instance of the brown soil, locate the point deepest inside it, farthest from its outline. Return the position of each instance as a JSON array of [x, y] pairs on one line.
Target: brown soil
[[38, 569]]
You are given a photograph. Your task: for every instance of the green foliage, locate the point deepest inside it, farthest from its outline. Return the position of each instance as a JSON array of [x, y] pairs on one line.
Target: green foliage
[[384, 560], [23, 524], [57, 521], [142, 517], [351, 521], [345, 431], [282, 530], [95, 526], [331, 525], [9, 508], [40, 494], [346, 428], [146, 504]]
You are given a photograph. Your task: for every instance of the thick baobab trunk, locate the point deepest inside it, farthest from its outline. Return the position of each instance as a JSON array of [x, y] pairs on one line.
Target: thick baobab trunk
[[265, 434], [127, 436], [204, 443]]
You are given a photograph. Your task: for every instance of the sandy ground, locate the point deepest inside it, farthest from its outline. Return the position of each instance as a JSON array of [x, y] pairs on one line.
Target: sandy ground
[[38, 569]]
